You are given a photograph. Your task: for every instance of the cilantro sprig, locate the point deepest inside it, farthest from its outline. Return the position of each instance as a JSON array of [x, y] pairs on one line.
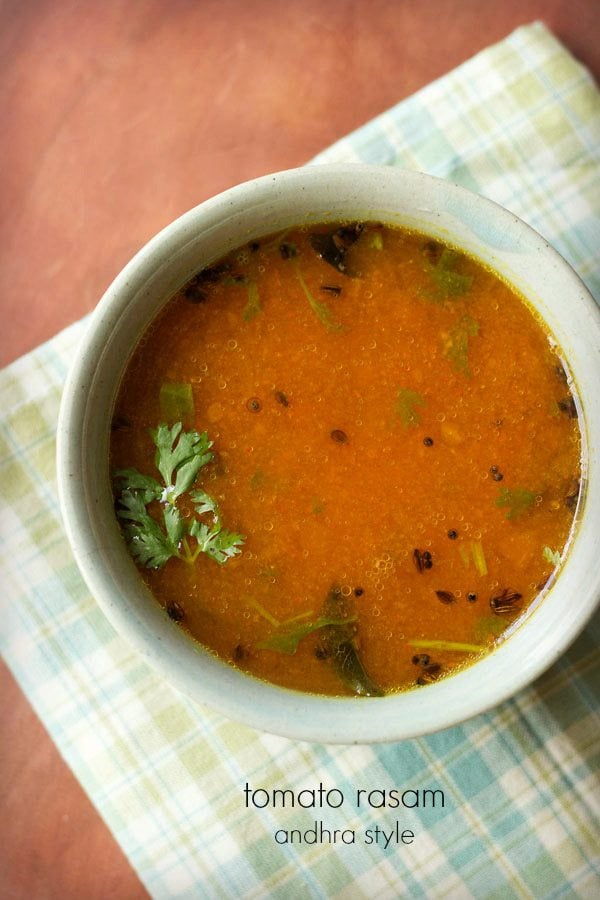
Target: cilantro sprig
[[154, 539]]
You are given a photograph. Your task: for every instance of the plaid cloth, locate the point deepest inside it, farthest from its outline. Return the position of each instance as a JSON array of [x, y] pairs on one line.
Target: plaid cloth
[[520, 123]]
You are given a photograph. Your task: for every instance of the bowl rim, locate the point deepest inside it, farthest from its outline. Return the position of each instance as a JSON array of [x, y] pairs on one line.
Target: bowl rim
[[237, 695]]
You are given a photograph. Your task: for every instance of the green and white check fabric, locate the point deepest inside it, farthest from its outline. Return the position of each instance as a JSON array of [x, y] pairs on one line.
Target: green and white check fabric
[[520, 123]]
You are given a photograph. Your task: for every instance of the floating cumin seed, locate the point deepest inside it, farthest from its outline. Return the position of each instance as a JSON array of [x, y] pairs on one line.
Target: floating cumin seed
[[282, 398], [240, 652], [567, 406], [471, 597], [175, 611], [254, 404], [288, 251], [429, 674], [333, 246], [195, 289], [432, 251], [428, 441], [120, 423], [331, 289], [422, 559], [496, 473], [445, 596], [339, 436], [358, 591], [453, 534], [507, 602], [573, 495], [561, 374], [421, 659], [194, 293]]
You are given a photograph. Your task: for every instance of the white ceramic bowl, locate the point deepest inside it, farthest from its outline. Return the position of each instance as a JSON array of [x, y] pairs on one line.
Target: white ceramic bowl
[[269, 204]]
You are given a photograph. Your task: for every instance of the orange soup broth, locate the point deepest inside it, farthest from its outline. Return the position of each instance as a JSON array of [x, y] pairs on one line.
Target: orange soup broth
[[350, 510]]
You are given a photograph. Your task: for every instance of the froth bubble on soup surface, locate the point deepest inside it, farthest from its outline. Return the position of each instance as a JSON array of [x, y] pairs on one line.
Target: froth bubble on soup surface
[[346, 459]]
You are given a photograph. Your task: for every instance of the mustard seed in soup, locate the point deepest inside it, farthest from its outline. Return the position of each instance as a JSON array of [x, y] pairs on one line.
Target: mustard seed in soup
[[346, 459]]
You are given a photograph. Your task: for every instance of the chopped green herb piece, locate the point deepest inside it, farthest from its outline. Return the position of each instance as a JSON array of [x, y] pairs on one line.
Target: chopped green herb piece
[[457, 646], [448, 282], [177, 402], [517, 500], [260, 609], [376, 241], [179, 457], [479, 557], [456, 345], [488, 625], [406, 403], [552, 556], [252, 307]]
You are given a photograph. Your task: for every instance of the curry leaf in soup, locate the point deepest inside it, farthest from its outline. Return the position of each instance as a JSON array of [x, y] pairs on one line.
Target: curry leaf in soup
[[340, 648], [407, 402], [516, 500], [287, 638]]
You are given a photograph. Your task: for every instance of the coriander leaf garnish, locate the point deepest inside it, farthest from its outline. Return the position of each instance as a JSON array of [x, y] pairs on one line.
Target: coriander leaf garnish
[[552, 556], [135, 481], [517, 500], [204, 503], [217, 543], [148, 543], [406, 403], [184, 457], [152, 541]]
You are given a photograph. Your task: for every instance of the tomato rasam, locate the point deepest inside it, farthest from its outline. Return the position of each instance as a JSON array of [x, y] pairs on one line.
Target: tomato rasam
[[347, 458]]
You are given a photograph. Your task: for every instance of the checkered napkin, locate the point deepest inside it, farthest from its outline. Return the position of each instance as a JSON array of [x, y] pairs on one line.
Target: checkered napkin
[[520, 123]]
